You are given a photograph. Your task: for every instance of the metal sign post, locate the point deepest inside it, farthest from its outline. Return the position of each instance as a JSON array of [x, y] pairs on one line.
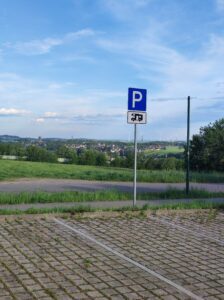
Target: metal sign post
[[188, 145], [136, 115], [135, 165]]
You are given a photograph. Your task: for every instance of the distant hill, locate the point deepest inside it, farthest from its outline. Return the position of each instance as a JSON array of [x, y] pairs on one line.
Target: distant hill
[[9, 138], [13, 138]]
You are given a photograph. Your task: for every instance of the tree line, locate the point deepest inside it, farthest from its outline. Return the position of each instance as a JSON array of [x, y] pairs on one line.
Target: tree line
[[206, 153], [89, 157]]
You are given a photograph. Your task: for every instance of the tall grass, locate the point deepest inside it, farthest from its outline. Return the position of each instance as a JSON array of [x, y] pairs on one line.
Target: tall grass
[[24, 169], [105, 195], [197, 204], [83, 208]]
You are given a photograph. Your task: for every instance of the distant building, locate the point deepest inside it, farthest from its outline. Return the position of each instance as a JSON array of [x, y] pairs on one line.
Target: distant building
[[10, 157], [63, 160]]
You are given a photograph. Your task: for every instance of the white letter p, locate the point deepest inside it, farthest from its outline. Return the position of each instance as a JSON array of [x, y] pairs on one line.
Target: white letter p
[[136, 99]]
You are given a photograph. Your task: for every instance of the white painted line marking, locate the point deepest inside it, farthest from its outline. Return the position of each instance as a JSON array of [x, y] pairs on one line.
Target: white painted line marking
[[187, 230], [151, 272]]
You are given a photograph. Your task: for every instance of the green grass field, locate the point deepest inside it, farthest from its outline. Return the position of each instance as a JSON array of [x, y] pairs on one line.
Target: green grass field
[[108, 195], [168, 150], [10, 170]]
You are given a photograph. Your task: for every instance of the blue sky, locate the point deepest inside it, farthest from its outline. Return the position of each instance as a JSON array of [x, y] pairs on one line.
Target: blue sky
[[66, 65]]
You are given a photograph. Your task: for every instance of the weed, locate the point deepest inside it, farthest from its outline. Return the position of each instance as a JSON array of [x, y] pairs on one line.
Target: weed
[[87, 262], [212, 215], [142, 214], [50, 293]]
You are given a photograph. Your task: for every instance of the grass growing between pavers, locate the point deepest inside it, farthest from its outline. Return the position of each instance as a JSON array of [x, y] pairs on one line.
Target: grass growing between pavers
[[25, 169], [105, 195], [196, 204]]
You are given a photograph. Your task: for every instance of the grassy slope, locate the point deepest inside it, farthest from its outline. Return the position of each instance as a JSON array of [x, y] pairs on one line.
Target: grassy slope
[[21, 169]]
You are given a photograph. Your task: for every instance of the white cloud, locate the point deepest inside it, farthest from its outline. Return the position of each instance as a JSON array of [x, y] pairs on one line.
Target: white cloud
[[13, 112], [50, 114], [43, 46], [40, 120], [220, 5], [97, 119], [78, 57], [126, 8], [35, 95], [37, 46], [79, 34], [56, 85], [69, 105], [1, 54], [216, 45], [175, 74]]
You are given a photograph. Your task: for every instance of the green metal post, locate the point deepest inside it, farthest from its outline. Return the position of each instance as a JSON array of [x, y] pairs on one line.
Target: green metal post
[[188, 145]]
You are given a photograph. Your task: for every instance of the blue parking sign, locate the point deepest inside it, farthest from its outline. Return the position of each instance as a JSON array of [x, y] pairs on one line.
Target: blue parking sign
[[137, 99]]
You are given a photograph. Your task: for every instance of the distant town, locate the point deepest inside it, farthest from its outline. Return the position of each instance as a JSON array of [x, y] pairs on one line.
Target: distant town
[[93, 152]]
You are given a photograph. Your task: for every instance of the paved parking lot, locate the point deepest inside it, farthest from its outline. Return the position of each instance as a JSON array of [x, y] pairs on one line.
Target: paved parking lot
[[169, 256]]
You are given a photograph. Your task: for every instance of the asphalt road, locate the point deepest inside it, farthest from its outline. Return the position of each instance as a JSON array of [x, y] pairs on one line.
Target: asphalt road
[[60, 185]]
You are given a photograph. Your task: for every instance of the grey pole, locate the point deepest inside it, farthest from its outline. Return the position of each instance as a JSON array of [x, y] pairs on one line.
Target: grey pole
[[135, 165], [188, 145]]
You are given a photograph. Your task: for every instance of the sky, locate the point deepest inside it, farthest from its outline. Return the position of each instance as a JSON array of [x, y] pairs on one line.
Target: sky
[[66, 66]]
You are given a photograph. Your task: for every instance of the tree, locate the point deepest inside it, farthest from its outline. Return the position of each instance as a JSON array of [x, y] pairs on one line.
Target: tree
[[35, 153], [149, 163], [207, 148], [129, 162], [87, 157], [101, 159], [117, 161], [70, 154], [12, 149]]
